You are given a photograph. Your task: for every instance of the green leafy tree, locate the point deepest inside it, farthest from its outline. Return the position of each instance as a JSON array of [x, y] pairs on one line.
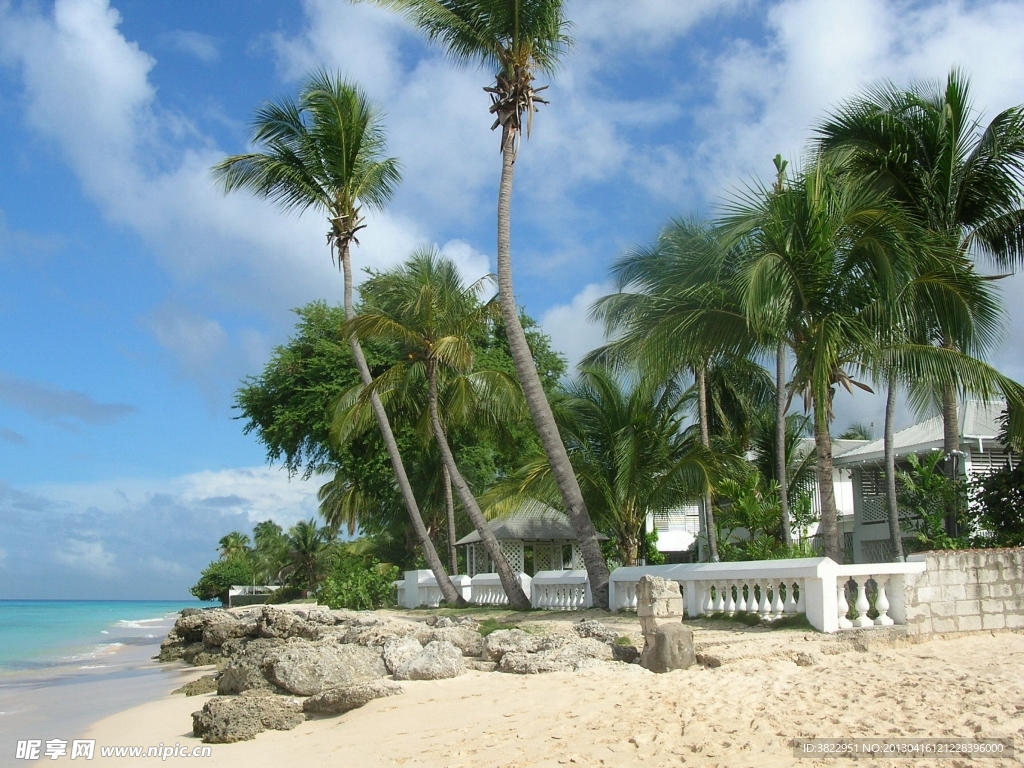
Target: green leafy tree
[[326, 152], [997, 508], [358, 583], [519, 39], [220, 575], [925, 495]]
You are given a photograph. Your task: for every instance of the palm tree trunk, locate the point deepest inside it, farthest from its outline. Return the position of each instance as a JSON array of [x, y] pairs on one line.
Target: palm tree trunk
[[705, 439], [517, 598], [890, 472], [829, 526], [449, 508], [540, 409], [950, 442], [429, 552], [780, 442]]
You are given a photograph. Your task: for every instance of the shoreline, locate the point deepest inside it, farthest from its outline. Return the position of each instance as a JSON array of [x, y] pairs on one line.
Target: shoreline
[[770, 687]]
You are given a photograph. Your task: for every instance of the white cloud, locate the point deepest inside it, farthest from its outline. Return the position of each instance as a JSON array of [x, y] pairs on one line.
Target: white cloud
[[195, 44], [572, 332], [87, 556]]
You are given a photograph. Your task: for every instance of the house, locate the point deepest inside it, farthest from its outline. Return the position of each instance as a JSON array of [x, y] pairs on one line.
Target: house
[[980, 453]]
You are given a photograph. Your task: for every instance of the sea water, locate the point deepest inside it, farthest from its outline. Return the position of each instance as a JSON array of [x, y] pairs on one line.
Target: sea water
[[65, 664]]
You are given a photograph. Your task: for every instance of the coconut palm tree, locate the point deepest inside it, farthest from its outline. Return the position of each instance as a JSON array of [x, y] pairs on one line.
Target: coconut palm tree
[[326, 152], [957, 178], [234, 544], [520, 39], [308, 550], [424, 307]]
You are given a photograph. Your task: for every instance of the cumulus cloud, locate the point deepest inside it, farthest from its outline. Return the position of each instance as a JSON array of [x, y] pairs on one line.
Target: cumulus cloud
[[87, 556], [571, 330], [60, 406], [195, 44]]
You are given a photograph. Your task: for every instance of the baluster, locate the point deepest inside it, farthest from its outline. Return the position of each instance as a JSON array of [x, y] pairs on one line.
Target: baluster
[[882, 603], [707, 605], [842, 606], [862, 605], [790, 603], [765, 608], [741, 600], [730, 599], [801, 603], [719, 605], [778, 607]]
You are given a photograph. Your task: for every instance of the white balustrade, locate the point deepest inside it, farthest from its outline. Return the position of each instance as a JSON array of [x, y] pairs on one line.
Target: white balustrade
[[487, 589], [888, 579], [561, 590]]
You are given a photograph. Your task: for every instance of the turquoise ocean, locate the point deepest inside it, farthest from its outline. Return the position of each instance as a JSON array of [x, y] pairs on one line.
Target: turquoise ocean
[[65, 664]]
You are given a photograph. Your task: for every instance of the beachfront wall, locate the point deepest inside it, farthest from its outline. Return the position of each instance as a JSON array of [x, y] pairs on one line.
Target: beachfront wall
[[965, 591]]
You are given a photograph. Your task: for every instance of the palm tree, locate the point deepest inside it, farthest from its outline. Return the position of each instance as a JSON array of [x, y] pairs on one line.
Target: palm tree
[[234, 544], [308, 549], [327, 152], [424, 307], [631, 453], [270, 548], [958, 179], [520, 39]]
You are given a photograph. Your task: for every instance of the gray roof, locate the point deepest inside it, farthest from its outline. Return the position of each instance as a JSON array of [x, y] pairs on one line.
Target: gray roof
[[531, 522], [978, 422]]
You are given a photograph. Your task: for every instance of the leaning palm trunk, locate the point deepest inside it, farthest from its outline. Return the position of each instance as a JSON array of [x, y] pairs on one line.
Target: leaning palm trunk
[[516, 596], [780, 442], [705, 439], [890, 472], [540, 409], [429, 552], [449, 509], [829, 525], [950, 442]]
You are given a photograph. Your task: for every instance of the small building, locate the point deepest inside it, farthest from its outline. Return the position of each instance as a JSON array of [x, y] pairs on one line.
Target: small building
[[536, 538], [980, 453]]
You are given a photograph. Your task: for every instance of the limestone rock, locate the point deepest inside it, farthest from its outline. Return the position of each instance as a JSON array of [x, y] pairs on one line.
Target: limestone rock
[[336, 701], [171, 649], [627, 653], [466, 639], [306, 669], [594, 629], [438, 661], [503, 641], [217, 632], [373, 630], [284, 624], [572, 655], [399, 650], [479, 665], [672, 648], [200, 655], [658, 603], [227, 719], [205, 684], [244, 671]]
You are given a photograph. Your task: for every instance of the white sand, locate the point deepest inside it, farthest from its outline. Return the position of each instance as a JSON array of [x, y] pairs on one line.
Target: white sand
[[742, 713]]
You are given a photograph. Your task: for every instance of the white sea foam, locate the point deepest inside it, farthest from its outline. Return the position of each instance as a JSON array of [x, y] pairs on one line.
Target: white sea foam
[[104, 632], [139, 623], [104, 649]]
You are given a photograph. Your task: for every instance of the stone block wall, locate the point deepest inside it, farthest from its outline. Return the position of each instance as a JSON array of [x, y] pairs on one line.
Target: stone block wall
[[967, 590]]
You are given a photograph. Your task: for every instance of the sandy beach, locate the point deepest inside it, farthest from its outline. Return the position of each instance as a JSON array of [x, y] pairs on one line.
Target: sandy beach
[[770, 687]]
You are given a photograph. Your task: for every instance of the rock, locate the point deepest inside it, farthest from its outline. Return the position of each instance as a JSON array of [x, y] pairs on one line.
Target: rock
[[373, 630], [709, 660], [171, 650], [572, 655], [200, 655], [479, 665], [322, 616], [244, 671], [284, 624], [306, 669], [190, 628], [806, 659], [658, 603], [399, 650], [594, 629], [466, 639], [190, 611], [227, 719], [216, 633], [672, 649], [205, 684], [438, 661], [503, 641], [627, 653], [336, 701], [439, 622]]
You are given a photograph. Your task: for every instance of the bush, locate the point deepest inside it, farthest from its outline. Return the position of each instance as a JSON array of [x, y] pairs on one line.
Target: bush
[[358, 583], [998, 509], [925, 497], [219, 576], [285, 595]]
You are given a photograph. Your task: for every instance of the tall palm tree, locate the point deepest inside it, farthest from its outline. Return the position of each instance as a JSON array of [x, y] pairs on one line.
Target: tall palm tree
[[958, 178], [519, 39], [326, 152], [631, 453], [424, 307], [234, 544], [308, 551]]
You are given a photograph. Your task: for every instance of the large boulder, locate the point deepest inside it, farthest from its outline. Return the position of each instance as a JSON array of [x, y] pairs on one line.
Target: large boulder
[[438, 661], [336, 701], [594, 629], [224, 720], [373, 630], [244, 671], [283, 624], [399, 650], [306, 669], [503, 641], [204, 684], [672, 648], [466, 638], [228, 627], [572, 655]]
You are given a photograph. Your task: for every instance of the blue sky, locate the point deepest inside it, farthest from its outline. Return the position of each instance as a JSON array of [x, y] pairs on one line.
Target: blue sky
[[134, 297]]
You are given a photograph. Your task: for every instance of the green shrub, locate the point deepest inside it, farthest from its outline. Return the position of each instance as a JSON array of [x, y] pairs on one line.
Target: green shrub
[[358, 583], [285, 595], [219, 576], [998, 509]]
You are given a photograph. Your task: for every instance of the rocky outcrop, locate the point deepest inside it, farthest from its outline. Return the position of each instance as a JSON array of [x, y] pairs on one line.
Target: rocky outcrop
[[398, 651], [438, 661], [229, 627], [503, 641], [244, 672], [564, 654], [227, 719], [205, 684], [306, 668], [466, 638], [336, 701], [594, 629]]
